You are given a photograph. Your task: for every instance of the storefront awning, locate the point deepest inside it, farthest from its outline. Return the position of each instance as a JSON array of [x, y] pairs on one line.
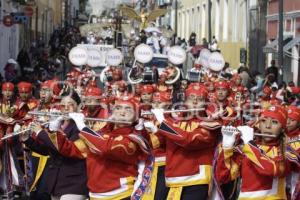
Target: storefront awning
[[292, 43], [272, 46]]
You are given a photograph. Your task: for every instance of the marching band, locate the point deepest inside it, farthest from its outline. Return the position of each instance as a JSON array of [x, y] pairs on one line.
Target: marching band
[[169, 138]]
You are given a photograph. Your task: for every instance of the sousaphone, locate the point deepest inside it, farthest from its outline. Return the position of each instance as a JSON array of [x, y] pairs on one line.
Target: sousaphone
[[143, 54], [176, 56]]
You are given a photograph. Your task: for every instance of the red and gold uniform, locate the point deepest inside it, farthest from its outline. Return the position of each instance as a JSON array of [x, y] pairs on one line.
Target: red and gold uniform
[[223, 111], [95, 109], [112, 156], [7, 108], [146, 100], [190, 146], [262, 166], [157, 188], [27, 103], [293, 141]]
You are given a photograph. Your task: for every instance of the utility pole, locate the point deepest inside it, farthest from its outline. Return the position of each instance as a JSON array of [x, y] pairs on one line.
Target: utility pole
[[280, 40], [209, 21], [176, 17]]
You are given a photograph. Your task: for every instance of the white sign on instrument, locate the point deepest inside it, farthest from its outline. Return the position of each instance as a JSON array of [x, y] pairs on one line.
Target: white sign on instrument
[[216, 61], [103, 49], [78, 56], [143, 53], [204, 57], [177, 55], [94, 58], [114, 57]]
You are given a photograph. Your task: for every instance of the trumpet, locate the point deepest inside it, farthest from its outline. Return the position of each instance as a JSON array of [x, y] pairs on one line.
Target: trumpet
[[65, 116], [10, 135], [173, 111]]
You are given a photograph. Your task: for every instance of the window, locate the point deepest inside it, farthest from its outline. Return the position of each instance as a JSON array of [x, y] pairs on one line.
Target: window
[[203, 21], [235, 20], [217, 19], [225, 21], [198, 24]]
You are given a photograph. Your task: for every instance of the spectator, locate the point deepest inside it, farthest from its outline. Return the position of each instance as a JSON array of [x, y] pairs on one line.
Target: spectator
[[273, 69], [204, 43], [214, 44], [10, 71], [143, 37]]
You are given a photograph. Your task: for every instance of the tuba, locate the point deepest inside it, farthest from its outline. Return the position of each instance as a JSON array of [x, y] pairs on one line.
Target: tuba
[[173, 75]]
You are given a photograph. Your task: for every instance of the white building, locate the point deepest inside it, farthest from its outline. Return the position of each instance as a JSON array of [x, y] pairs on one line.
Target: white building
[[9, 36]]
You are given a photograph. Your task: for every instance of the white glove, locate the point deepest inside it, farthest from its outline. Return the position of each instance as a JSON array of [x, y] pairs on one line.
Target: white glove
[[78, 119], [17, 128], [150, 127], [247, 133], [54, 125], [159, 114], [229, 135], [140, 125]]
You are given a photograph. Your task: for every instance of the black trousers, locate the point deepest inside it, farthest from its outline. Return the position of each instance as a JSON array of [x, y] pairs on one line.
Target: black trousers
[[195, 192], [229, 190], [161, 190]]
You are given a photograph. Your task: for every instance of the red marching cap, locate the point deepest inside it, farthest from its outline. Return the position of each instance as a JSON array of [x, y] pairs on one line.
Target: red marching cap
[[222, 84], [294, 113], [8, 86], [93, 92], [147, 89], [197, 90], [51, 84], [267, 91], [276, 112], [129, 100], [25, 87]]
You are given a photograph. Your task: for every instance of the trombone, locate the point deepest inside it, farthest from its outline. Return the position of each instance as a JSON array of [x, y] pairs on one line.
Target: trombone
[[65, 116], [173, 111]]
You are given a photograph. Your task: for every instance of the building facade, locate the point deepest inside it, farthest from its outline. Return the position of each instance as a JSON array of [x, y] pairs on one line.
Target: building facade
[[46, 15], [229, 19], [9, 36], [291, 27]]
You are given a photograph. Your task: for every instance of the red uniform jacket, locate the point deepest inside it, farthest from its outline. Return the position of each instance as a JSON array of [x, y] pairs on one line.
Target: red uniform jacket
[[189, 152], [260, 167], [112, 159]]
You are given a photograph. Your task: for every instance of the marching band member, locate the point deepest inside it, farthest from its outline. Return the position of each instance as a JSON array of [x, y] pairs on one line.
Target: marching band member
[[8, 163], [66, 177], [157, 188], [49, 92], [225, 111], [7, 107], [293, 136], [262, 163], [7, 98], [265, 97], [146, 99], [93, 107], [112, 154], [25, 100], [190, 148], [40, 163]]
